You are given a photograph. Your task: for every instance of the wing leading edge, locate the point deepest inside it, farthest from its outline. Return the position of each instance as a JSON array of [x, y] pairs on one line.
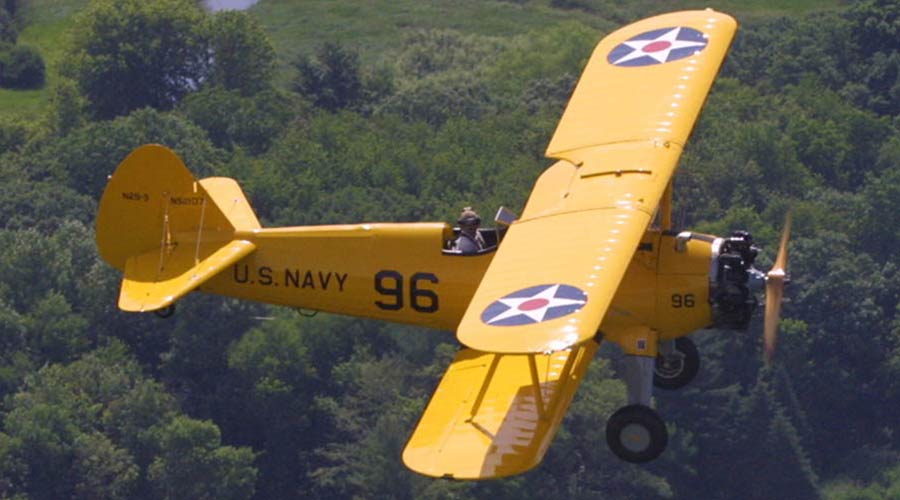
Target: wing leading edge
[[619, 140]]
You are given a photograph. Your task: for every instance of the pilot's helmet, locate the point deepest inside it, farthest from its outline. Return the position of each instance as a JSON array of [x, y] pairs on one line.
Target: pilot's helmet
[[468, 217]]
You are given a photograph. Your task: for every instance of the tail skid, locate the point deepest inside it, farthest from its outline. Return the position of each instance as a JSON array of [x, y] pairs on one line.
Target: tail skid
[[166, 230]]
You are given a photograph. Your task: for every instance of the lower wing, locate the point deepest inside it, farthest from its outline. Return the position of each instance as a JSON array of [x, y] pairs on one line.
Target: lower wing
[[494, 415]]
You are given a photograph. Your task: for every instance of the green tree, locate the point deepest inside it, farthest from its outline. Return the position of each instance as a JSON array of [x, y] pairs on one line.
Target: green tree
[[277, 383], [882, 192], [885, 485], [13, 134], [13, 470], [55, 333], [192, 463], [127, 55], [438, 98], [231, 120], [878, 25], [21, 67], [425, 52], [243, 58], [68, 108], [14, 362], [97, 428], [102, 470], [333, 79], [8, 31], [86, 156], [766, 441]]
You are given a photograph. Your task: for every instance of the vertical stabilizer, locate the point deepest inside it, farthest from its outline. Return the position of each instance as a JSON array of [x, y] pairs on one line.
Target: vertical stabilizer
[[166, 230]]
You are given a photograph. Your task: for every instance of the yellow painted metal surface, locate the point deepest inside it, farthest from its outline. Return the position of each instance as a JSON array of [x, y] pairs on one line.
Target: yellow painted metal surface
[[494, 415], [167, 231], [682, 292], [588, 251], [664, 290], [392, 272], [229, 198], [131, 219], [615, 104], [620, 138], [156, 279], [634, 340]]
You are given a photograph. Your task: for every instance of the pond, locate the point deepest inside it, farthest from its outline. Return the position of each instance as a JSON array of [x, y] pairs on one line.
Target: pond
[[217, 5]]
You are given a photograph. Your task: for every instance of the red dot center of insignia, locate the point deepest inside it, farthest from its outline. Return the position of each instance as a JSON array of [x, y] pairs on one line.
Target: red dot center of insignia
[[657, 46], [533, 304]]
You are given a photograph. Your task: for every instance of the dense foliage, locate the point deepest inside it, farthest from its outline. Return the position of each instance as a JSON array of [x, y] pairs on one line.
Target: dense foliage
[[21, 66], [235, 400]]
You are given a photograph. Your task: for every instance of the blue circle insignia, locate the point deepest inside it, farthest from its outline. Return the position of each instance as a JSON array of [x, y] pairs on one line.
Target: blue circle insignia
[[534, 305], [658, 47]]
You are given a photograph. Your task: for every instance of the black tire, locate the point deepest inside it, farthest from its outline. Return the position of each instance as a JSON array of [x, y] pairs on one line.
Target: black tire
[[636, 434], [677, 372], [165, 312]]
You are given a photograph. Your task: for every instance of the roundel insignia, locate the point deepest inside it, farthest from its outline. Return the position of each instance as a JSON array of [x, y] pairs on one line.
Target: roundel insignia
[[534, 305], [658, 47]]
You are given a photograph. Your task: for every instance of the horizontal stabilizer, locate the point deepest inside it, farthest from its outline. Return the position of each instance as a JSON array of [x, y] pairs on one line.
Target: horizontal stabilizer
[[494, 415], [158, 278]]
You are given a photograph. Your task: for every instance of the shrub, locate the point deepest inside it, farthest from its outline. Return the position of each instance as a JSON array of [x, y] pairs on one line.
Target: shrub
[[8, 31], [21, 67]]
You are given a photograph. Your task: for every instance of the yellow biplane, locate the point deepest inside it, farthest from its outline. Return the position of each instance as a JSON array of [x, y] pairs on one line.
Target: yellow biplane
[[593, 257]]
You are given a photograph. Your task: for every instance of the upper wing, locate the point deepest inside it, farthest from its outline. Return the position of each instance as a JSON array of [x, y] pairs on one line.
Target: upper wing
[[619, 140]]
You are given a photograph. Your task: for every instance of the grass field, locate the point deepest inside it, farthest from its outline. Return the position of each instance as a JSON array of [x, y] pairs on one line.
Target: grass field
[[374, 27], [45, 23]]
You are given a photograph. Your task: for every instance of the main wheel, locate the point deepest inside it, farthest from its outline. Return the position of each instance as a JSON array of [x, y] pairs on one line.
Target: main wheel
[[636, 434], [679, 368]]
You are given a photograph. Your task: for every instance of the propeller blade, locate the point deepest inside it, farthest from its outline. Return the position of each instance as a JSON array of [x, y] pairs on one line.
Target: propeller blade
[[775, 280]]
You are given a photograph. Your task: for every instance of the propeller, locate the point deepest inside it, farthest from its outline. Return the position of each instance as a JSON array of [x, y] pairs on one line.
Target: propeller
[[775, 281]]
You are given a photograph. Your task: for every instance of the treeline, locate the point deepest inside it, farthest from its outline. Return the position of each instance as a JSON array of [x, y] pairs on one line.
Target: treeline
[[237, 400]]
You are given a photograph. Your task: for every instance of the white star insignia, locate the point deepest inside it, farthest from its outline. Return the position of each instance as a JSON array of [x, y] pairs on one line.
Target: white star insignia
[[537, 313], [649, 48]]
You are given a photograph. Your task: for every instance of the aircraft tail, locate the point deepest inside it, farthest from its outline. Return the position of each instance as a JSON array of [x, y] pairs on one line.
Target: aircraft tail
[[168, 231]]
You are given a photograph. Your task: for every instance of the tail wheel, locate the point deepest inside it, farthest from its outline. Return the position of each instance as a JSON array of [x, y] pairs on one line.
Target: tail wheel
[[165, 312], [636, 434], [679, 368]]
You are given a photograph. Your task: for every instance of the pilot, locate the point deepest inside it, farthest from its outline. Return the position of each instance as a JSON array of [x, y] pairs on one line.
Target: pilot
[[469, 241]]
